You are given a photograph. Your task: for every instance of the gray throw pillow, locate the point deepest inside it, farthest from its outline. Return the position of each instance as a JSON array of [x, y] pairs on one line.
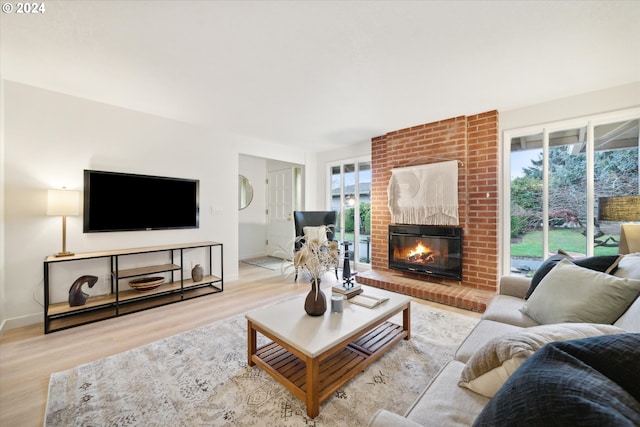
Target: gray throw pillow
[[570, 293], [604, 263], [543, 270]]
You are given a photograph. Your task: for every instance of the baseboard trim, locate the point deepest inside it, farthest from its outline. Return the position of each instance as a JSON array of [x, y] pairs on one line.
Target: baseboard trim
[[18, 322]]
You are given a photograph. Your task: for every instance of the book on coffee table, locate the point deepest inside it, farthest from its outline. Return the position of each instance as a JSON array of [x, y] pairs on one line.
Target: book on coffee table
[[367, 300], [347, 292]]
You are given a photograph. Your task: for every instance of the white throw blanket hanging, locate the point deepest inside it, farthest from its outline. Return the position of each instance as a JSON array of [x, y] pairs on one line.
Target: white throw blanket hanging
[[425, 194]]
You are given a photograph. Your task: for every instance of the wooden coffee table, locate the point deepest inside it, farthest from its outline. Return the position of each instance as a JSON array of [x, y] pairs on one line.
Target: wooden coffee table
[[314, 356]]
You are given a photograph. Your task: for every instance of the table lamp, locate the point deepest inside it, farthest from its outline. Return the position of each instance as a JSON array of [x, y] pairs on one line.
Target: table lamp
[[623, 208], [63, 203]]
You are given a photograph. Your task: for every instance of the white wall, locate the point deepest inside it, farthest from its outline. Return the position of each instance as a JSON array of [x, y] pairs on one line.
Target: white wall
[[50, 138], [252, 220], [597, 102], [2, 205]]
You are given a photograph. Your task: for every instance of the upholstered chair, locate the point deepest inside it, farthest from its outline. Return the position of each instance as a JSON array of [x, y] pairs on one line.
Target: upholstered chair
[[315, 225]]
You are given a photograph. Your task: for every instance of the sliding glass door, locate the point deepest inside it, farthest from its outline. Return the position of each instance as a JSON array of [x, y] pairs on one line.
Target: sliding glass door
[[350, 197], [554, 175]]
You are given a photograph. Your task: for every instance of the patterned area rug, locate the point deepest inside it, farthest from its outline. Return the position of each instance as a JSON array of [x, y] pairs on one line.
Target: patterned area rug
[[201, 378], [270, 262]]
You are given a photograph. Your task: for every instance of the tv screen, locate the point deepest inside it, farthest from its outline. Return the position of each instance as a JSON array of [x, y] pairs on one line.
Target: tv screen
[[126, 202]]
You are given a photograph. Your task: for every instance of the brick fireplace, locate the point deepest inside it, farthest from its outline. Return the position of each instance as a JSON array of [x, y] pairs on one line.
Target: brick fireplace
[[473, 141]]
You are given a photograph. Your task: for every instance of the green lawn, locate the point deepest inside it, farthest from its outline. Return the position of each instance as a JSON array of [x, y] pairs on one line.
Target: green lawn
[[565, 239]]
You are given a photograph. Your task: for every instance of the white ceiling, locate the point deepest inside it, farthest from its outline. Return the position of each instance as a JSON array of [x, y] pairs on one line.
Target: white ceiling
[[318, 74]]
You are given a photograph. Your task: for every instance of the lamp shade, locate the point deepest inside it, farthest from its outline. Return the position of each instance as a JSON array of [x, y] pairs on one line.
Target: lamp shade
[[63, 202], [622, 208]]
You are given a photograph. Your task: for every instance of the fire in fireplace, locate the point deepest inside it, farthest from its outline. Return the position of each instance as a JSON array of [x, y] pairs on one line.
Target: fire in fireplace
[[426, 249]]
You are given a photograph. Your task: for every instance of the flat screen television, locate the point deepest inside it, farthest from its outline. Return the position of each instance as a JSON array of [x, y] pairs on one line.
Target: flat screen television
[[116, 201]]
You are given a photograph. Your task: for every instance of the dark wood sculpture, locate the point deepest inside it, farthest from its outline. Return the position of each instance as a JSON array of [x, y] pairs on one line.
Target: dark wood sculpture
[[76, 296]]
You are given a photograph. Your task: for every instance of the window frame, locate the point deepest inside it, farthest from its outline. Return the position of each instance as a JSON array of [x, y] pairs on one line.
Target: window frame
[[590, 122], [341, 164]]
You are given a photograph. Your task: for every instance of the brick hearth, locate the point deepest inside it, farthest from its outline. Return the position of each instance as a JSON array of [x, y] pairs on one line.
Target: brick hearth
[[454, 295]]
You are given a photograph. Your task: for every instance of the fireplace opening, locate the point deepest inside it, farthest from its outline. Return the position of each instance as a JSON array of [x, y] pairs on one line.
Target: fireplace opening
[[426, 249]]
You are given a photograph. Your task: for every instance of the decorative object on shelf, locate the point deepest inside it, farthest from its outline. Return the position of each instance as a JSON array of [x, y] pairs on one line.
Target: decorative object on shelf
[[146, 283], [76, 295], [196, 273], [63, 203]]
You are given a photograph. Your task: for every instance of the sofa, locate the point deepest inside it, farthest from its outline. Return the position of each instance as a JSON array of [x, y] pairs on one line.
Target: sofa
[[545, 309]]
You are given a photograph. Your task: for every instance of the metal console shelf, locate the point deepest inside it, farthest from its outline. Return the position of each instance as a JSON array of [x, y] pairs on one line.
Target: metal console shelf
[[119, 302]]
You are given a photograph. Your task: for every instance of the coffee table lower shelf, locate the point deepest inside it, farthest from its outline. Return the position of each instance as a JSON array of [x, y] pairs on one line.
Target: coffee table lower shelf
[[336, 369]]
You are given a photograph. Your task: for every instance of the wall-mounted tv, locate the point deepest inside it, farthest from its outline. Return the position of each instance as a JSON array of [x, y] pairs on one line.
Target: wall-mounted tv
[[116, 201]]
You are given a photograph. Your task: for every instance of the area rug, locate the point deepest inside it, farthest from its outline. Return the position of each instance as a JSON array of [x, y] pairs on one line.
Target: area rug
[[270, 262], [201, 378]]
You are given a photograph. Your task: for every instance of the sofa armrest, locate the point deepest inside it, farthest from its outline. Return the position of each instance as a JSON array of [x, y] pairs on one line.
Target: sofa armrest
[[515, 286], [384, 418]]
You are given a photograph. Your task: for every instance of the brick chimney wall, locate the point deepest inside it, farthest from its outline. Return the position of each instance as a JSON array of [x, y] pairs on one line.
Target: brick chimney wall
[[473, 140]]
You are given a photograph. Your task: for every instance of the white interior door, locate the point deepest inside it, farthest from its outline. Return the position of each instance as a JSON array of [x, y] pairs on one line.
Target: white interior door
[[280, 229]]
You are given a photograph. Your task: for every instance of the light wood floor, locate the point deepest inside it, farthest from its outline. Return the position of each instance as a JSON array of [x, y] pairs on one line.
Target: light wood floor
[[28, 357]]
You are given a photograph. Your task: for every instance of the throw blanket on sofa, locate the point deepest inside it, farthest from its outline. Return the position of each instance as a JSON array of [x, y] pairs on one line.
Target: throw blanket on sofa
[[587, 382]]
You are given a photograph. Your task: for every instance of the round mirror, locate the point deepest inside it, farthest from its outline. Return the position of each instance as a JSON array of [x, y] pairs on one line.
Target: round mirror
[[245, 192]]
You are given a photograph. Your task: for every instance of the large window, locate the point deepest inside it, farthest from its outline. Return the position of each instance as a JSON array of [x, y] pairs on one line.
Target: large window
[[350, 196], [555, 175]]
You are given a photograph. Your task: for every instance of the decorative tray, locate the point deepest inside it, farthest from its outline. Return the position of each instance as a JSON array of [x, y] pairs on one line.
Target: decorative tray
[[146, 283]]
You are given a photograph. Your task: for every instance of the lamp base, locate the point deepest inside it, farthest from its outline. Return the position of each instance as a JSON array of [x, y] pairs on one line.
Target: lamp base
[[61, 254]]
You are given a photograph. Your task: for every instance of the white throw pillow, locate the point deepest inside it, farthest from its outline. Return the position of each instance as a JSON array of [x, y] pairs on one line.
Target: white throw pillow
[[318, 233], [492, 364], [629, 266], [569, 293]]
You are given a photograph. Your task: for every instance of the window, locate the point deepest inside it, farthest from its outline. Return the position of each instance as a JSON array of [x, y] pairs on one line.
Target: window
[[554, 175], [350, 197]]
